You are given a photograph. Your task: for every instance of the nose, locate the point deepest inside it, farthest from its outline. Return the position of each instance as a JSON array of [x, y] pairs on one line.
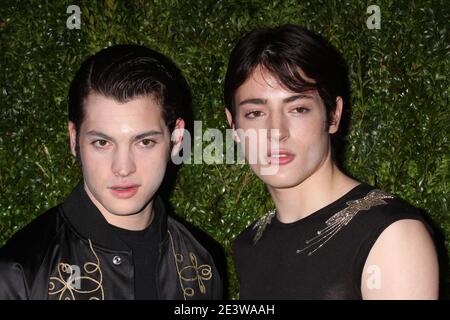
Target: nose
[[123, 163], [278, 127]]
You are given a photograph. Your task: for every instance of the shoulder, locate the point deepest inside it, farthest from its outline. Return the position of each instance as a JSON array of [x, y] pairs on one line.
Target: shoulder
[[184, 242], [405, 257], [255, 230], [244, 242], [33, 239], [400, 251], [22, 255], [377, 210], [246, 236], [189, 253], [179, 233]]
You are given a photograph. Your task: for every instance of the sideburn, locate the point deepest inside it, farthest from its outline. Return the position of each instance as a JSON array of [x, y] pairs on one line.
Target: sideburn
[[78, 150]]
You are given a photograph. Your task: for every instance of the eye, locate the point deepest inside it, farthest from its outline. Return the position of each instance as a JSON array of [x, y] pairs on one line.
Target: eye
[[300, 110], [146, 142], [253, 114], [100, 144]]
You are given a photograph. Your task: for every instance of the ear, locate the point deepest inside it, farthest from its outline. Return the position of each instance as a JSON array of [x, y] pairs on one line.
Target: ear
[[229, 118], [337, 116], [177, 136], [72, 137], [231, 123]]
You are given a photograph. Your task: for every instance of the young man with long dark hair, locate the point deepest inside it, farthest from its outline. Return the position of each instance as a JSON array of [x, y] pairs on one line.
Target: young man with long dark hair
[[330, 236]]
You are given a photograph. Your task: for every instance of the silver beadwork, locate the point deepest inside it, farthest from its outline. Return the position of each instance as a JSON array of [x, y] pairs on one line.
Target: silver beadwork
[[333, 224], [343, 217], [261, 224]]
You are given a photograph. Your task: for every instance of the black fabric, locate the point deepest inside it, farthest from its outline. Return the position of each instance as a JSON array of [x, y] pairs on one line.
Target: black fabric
[[37, 262], [273, 269], [145, 251], [87, 220]]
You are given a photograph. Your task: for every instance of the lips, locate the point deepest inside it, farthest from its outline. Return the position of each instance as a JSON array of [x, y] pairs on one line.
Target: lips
[[280, 157], [124, 191]]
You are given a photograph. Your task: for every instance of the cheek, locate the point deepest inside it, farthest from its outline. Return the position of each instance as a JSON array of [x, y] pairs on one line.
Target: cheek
[[94, 159], [311, 131], [315, 148], [153, 160], [311, 139], [151, 170], [255, 144], [95, 168], [87, 154]]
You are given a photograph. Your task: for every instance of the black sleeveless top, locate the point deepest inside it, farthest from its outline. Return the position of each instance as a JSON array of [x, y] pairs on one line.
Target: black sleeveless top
[[321, 256]]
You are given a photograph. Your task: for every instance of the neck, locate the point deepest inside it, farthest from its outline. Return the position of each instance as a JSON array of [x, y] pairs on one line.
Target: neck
[[134, 222], [324, 186]]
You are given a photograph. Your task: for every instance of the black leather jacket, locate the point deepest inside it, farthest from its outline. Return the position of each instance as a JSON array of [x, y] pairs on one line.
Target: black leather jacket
[[69, 253]]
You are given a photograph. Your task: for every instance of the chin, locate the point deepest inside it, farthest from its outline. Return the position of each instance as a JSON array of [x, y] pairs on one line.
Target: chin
[[125, 209], [281, 181]]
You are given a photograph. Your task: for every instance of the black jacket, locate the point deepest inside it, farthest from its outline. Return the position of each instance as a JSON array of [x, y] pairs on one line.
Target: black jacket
[[69, 253]]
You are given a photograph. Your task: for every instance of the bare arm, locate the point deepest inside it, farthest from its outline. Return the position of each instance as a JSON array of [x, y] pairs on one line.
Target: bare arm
[[402, 264]]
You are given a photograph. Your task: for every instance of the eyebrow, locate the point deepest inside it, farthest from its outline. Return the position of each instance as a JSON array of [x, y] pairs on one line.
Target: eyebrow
[[136, 138], [253, 101], [285, 100], [297, 97]]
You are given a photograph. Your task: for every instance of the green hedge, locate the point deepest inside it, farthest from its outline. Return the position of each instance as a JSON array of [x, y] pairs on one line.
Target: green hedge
[[400, 117]]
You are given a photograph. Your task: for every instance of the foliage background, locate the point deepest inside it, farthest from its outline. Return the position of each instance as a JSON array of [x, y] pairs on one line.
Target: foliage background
[[400, 116]]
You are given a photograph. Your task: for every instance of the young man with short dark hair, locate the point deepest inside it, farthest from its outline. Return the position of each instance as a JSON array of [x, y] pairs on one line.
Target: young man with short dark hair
[[111, 238], [330, 236]]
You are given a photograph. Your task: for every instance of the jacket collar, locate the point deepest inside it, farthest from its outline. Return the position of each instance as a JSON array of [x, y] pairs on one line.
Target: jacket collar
[[88, 221]]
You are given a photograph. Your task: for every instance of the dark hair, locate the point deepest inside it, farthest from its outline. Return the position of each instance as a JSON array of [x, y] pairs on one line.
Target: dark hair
[[124, 72], [283, 51]]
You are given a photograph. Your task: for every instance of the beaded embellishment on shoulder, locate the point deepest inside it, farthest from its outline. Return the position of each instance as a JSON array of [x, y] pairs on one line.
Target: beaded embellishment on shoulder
[[261, 225], [343, 217]]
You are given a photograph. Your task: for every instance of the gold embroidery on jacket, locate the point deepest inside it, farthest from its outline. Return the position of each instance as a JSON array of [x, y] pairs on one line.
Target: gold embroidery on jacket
[[191, 273], [69, 287]]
